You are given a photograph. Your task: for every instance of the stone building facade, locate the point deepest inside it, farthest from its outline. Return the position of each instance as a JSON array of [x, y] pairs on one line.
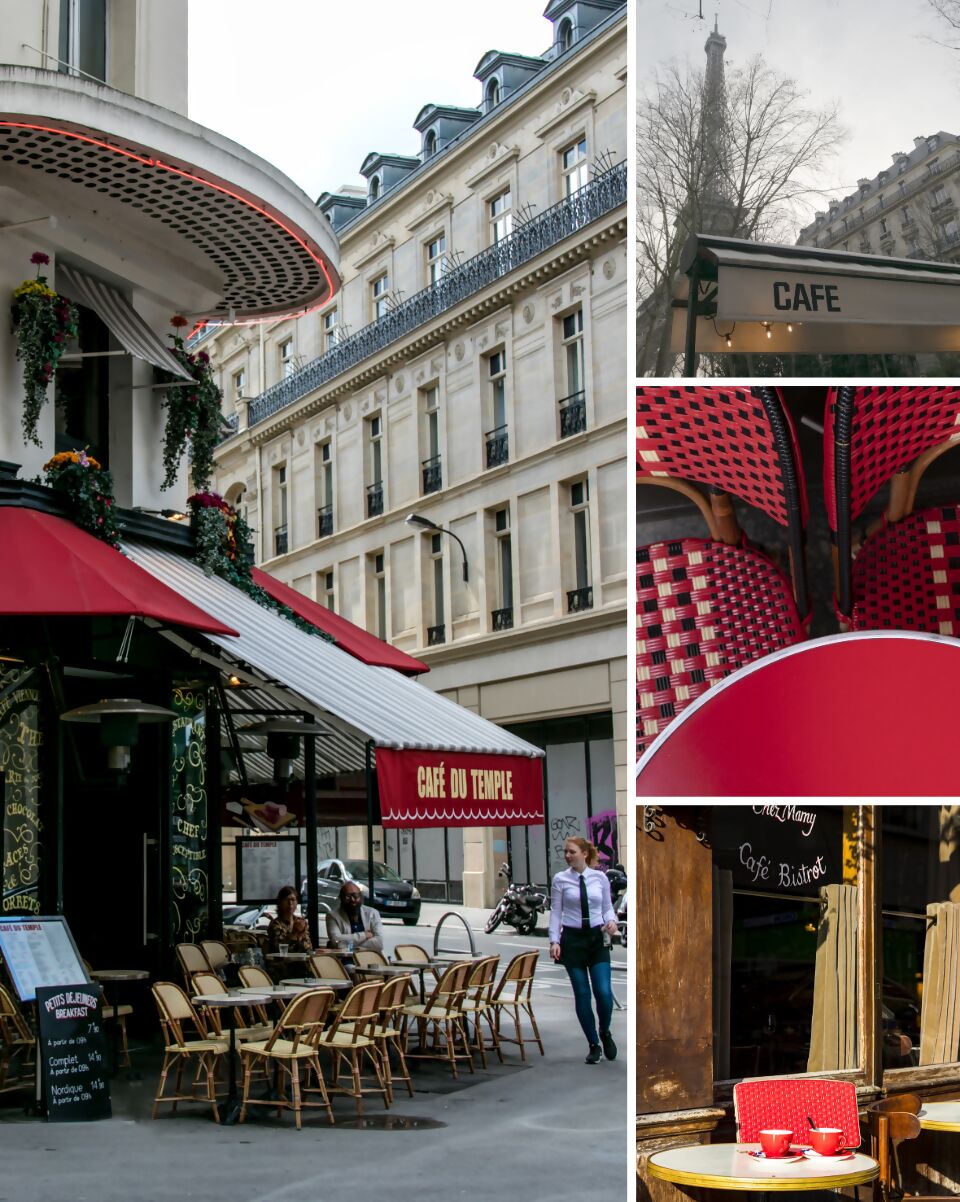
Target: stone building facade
[[472, 373]]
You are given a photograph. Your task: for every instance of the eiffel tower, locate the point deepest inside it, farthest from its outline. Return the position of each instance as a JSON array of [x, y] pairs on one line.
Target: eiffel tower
[[716, 207]]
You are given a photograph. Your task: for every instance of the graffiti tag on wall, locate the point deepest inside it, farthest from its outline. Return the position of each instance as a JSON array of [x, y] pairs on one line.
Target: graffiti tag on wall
[[603, 835]]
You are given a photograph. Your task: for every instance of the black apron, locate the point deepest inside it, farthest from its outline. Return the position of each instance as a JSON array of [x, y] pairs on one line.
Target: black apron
[[583, 947]]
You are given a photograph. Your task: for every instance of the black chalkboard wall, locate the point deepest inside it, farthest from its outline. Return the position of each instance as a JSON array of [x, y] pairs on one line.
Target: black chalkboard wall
[[779, 848], [72, 1053]]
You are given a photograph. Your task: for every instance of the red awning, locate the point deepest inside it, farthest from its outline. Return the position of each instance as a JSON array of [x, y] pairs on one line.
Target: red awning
[[53, 568], [431, 788], [358, 642]]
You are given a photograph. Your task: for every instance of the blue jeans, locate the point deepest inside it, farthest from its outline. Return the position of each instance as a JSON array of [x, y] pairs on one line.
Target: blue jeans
[[597, 975]]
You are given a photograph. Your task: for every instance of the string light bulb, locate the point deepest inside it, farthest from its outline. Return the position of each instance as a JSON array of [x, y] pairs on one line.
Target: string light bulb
[[789, 328], [729, 340], [766, 326]]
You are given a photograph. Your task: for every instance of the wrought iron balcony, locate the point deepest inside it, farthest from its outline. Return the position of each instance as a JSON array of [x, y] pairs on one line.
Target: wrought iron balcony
[[280, 540], [436, 635], [599, 197], [432, 474], [573, 414], [502, 619], [498, 446], [375, 499], [324, 521], [579, 599]]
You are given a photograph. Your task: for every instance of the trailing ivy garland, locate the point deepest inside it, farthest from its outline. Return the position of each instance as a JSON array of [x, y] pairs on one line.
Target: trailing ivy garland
[[43, 323], [194, 414], [89, 492], [222, 541]]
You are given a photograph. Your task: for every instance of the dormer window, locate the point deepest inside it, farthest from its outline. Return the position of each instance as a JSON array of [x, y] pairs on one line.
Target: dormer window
[[933, 143], [430, 143], [374, 187], [492, 96], [564, 35]]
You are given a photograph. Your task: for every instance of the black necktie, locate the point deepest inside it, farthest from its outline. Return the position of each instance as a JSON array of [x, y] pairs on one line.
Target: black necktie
[[584, 904]]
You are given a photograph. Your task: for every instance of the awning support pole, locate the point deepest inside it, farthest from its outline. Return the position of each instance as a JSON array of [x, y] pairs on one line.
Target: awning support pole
[[368, 772], [310, 807], [232, 735], [693, 304]]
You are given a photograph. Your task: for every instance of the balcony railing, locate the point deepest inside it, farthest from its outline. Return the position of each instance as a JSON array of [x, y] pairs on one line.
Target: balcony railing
[[375, 499], [436, 635], [573, 414], [502, 619], [324, 521], [579, 599], [432, 474], [597, 198], [280, 540], [889, 202], [498, 446]]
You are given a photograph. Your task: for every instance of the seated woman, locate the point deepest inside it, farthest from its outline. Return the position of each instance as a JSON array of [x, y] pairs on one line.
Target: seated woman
[[287, 928]]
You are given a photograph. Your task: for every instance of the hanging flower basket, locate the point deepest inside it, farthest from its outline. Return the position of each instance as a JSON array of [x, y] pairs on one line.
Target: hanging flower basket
[[222, 541], [194, 414], [89, 493], [43, 324]]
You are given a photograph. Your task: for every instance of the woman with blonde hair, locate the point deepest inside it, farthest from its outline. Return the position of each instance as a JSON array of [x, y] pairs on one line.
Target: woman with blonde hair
[[581, 914]]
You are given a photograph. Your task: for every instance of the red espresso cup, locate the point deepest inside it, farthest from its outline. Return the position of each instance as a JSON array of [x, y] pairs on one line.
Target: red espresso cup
[[775, 1142], [826, 1140]]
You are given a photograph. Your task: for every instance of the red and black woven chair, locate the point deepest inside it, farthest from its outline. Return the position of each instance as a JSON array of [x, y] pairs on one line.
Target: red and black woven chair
[[706, 607], [906, 573]]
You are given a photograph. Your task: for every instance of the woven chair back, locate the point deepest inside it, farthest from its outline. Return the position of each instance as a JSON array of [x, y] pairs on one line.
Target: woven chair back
[[411, 953], [206, 982], [393, 993], [217, 953], [303, 1018], [12, 1023], [517, 978], [322, 965], [789, 1103], [191, 959], [481, 978], [451, 988], [253, 977], [367, 957], [175, 1009], [737, 440], [360, 1009]]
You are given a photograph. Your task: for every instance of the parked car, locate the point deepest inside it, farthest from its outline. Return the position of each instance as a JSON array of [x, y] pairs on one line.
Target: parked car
[[392, 895]]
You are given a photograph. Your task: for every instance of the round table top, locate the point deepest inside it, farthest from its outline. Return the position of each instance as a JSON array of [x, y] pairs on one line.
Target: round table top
[[119, 974], [318, 982], [249, 998], [276, 992], [727, 1166], [808, 721], [940, 1116], [289, 955]]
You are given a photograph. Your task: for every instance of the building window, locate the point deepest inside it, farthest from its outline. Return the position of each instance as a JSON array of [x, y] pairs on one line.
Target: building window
[[374, 439], [325, 580], [939, 196], [502, 616], [280, 511], [574, 167], [436, 259], [437, 632], [378, 295], [501, 216], [379, 595], [324, 468], [239, 384], [491, 95], [374, 187], [573, 405], [430, 144], [431, 466], [580, 597], [285, 350], [498, 447], [564, 35], [83, 38], [906, 216], [950, 233], [331, 329]]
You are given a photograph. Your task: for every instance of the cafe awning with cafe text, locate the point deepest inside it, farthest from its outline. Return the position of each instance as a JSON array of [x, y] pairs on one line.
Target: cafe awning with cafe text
[[422, 788]]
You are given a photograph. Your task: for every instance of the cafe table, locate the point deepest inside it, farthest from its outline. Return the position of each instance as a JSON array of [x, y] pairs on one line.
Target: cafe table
[[940, 1116], [119, 977], [864, 714], [230, 1108], [727, 1166]]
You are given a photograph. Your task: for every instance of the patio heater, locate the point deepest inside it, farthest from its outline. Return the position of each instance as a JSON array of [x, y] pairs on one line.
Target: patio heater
[[119, 719], [283, 742]]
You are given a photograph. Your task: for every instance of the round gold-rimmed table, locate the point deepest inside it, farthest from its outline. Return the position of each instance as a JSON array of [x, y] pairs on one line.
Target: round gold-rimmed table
[[726, 1166], [940, 1116]]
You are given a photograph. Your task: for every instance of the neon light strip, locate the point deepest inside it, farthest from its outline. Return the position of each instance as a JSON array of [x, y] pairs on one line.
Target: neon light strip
[[148, 162]]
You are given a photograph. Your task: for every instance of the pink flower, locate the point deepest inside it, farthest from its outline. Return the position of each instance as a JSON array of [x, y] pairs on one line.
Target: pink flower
[[39, 257], [83, 458]]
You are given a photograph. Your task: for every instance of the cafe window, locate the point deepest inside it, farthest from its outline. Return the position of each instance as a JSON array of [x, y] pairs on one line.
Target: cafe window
[[784, 940]]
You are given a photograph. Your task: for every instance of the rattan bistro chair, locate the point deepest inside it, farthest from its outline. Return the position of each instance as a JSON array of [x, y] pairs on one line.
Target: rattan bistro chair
[[789, 1102], [325, 966], [443, 1017], [17, 1047], [906, 573], [513, 996], [477, 1005], [369, 957], [706, 607], [388, 1031], [176, 1016], [350, 1040], [209, 982], [217, 953], [191, 959]]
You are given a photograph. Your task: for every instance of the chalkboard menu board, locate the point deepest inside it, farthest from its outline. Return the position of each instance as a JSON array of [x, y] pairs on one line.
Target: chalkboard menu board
[[264, 866], [72, 1053], [189, 884], [779, 848], [20, 743]]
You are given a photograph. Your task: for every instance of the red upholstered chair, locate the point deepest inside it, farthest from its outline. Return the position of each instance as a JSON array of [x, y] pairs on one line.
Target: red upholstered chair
[[706, 607], [787, 1103], [906, 575]]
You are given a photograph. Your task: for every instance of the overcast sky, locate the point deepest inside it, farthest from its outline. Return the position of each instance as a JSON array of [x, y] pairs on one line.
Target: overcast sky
[[314, 85], [893, 84]]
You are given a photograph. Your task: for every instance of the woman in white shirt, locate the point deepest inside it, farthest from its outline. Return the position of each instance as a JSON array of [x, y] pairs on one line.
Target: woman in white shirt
[[581, 914]]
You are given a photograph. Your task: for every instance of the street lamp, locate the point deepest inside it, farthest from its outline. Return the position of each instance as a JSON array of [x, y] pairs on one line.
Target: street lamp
[[417, 519]]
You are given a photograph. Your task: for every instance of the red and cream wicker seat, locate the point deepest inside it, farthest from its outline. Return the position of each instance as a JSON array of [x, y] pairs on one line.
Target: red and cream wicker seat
[[706, 607], [906, 574], [789, 1104]]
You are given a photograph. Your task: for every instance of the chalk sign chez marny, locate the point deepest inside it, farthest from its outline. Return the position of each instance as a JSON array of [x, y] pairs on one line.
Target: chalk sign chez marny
[[779, 848]]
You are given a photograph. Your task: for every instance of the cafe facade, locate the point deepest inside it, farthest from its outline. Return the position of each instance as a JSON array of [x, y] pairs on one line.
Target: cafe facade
[[795, 940]]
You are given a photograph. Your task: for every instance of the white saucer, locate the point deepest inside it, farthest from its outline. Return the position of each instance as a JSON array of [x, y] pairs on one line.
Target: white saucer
[[843, 1154]]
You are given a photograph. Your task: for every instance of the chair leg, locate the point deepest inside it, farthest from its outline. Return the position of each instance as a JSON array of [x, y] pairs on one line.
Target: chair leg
[[122, 1020], [295, 1086], [314, 1064], [355, 1069], [210, 1066], [536, 1029], [405, 1071], [494, 1033], [158, 1097], [383, 1049]]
